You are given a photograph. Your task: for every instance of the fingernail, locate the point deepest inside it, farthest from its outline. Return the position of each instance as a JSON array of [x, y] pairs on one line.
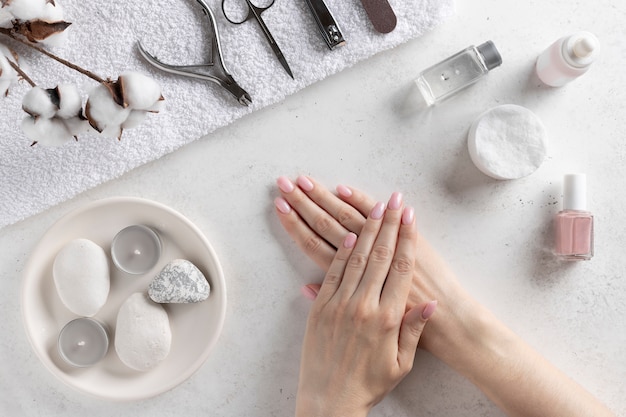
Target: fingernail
[[282, 205], [429, 310], [378, 211], [285, 184], [408, 215], [305, 183], [344, 191], [349, 241], [308, 292], [395, 202]]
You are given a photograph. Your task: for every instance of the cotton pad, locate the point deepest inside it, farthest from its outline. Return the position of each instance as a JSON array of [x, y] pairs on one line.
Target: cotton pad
[[507, 142]]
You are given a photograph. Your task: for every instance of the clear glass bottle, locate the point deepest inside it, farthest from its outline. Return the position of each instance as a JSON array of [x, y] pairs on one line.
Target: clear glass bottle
[[574, 224], [457, 72], [567, 59]]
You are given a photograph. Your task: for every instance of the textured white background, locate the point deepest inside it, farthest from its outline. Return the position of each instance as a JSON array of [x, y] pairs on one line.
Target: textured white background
[[360, 127]]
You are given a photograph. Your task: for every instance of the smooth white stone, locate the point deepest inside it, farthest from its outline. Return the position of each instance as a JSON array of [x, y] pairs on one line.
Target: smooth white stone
[[142, 335], [180, 281], [81, 276]]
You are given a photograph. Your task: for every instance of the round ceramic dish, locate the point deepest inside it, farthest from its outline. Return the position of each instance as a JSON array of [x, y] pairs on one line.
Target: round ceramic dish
[[195, 327]]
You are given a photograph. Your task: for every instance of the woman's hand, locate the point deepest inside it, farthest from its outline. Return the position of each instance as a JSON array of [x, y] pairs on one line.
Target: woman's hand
[[359, 342], [318, 221]]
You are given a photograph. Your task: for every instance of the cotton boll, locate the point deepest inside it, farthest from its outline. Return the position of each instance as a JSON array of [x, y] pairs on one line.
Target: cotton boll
[[140, 92], [135, 118], [103, 113], [56, 39], [76, 125], [7, 74], [157, 107], [46, 132], [70, 102], [38, 102], [29, 9], [6, 18]]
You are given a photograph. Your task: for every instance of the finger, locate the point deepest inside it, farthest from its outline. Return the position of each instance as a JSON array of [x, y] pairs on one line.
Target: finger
[[318, 219], [357, 199], [383, 252], [334, 277], [346, 215], [310, 291], [410, 333], [307, 240], [398, 284], [361, 253]]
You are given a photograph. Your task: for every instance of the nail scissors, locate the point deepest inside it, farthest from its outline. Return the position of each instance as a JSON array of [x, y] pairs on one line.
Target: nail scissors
[[223, 78], [254, 12]]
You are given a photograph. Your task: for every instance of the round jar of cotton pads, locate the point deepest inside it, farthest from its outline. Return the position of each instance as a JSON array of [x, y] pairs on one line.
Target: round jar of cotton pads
[[507, 142]]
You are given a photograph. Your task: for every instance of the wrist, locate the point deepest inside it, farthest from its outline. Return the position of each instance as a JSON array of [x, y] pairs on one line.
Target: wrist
[[311, 406]]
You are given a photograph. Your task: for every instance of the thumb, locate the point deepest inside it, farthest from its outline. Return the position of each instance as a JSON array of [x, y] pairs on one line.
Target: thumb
[[410, 332], [310, 291]]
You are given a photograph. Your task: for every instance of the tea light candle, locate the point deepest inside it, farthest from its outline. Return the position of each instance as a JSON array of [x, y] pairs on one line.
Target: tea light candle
[[136, 249], [83, 342]]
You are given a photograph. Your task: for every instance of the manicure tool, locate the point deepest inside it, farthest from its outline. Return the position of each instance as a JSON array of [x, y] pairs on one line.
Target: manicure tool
[[223, 78], [326, 23], [254, 12], [380, 14]]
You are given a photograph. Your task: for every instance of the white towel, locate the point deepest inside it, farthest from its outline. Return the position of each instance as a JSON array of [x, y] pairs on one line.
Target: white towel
[[103, 38]]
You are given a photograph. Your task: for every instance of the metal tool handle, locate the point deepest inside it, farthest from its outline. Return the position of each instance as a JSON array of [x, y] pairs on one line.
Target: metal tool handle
[[326, 23], [254, 12]]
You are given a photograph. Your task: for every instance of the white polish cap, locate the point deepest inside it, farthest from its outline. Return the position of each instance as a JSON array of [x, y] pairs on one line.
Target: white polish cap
[[575, 192], [581, 49]]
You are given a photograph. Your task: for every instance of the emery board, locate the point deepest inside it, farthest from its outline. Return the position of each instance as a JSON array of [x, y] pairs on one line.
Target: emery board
[[380, 14]]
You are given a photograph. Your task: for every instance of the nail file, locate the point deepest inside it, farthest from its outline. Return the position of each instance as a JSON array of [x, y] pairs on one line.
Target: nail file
[[380, 14]]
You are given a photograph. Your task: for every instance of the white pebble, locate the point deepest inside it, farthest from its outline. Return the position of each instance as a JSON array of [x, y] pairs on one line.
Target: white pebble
[[507, 142], [142, 335], [140, 91], [81, 276], [180, 281]]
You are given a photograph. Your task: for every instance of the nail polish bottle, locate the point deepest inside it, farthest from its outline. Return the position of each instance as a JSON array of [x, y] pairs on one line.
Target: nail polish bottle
[[574, 224], [567, 59], [457, 72]]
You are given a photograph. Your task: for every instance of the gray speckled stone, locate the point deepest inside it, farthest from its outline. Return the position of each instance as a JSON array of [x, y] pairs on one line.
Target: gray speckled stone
[[180, 281]]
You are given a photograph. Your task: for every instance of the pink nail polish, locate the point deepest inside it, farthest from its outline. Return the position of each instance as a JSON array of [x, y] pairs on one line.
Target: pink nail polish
[[429, 310], [574, 224], [285, 184], [344, 191], [349, 241], [378, 211], [408, 215], [308, 293], [395, 202], [305, 183], [282, 205]]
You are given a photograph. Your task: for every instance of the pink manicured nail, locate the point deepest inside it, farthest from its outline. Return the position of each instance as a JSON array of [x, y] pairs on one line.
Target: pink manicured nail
[[308, 292], [349, 241], [408, 215], [429, 310], [282, 205], [305, 183], [395, 202], [344, 191], [378, 211], [285, 184]]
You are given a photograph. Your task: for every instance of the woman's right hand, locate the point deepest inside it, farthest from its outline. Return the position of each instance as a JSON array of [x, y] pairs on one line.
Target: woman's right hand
[[318, 221]]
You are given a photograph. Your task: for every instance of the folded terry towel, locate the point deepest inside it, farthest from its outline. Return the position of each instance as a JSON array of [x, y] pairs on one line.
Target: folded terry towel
[[103, 38]]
